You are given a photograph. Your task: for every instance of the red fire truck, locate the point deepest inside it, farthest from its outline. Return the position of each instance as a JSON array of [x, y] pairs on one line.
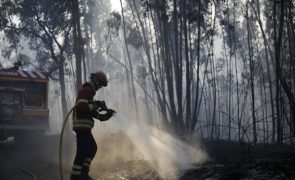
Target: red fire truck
[[23, 100]]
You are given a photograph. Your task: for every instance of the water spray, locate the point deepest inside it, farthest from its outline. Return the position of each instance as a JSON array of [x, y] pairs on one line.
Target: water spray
[[169, 155]]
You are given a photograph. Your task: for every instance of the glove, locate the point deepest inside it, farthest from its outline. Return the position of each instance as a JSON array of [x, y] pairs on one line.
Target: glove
[[101, 105], [106, 116], [111, 112]]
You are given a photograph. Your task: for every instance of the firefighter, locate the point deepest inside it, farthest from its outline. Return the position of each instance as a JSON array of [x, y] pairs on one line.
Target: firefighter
[[85, 110]]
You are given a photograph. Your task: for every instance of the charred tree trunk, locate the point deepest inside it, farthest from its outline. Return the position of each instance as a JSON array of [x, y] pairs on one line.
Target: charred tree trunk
[[177, 64], [188, 66], [196, 105], [237, 79], [269, 78], [77, 42], [250, 49], [229, 74]]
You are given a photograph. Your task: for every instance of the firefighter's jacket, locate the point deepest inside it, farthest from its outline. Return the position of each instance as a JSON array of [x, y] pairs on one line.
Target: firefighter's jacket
[[85, 109]]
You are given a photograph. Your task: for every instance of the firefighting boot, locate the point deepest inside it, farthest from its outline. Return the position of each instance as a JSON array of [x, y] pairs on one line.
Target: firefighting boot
[[77, 177], [89, 178], [86, 177]]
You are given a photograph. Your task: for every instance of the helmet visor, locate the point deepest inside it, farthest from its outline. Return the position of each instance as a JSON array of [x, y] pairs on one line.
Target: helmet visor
[[104, 83]]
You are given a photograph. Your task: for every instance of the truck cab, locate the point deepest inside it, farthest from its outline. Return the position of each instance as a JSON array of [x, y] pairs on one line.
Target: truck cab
[[23, 100]]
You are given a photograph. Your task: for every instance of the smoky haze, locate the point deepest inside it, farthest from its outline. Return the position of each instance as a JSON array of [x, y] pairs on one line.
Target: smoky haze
[[178, 70], [129, 144], [125, 139], [131, 140], [168, 155]]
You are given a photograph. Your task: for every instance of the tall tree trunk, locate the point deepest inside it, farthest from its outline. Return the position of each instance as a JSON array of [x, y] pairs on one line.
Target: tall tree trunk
[[61, 76], [177, 65], [277, 44], [229, 74], [282, 80], [158, 84], [267, 49], [237, 79], [77, 41], [291, 42], [249, 37], [263, 101], [213, 72], [167, 65], [135, 105], [196, 107], [188, 66]]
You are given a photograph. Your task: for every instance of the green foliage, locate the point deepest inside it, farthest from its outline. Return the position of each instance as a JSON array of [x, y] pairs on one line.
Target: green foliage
[[114, 23], [134, 38], [42, 22]]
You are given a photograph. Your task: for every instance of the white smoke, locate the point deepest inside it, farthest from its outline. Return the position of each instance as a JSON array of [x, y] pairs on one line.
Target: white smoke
[[168, 155]]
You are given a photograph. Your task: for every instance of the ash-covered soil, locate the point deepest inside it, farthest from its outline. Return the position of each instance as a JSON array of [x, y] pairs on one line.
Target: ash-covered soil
[[117, 158], [235, 160]]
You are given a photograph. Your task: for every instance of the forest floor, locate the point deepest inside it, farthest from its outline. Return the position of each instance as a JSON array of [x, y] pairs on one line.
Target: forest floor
[[117, 158], [235, 160]]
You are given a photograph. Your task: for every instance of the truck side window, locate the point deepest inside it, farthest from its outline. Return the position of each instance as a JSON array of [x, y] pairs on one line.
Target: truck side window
[[34, 98]]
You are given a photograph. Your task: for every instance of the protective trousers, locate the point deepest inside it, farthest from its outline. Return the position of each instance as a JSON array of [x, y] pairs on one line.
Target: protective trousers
[[86, 150]]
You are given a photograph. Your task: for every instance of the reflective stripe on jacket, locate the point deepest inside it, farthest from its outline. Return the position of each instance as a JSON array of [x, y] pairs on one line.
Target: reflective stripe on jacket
[[82, 123], [85, 109]]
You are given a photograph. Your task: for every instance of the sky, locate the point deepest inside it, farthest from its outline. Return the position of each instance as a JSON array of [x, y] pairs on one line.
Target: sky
[[116, 5]]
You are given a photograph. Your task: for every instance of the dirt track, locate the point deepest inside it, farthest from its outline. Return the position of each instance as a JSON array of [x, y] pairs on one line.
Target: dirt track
[[39, 154], [116, 158], [35, 153]]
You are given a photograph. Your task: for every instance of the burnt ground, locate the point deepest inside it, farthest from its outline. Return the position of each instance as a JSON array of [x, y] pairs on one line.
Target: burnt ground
[[235, 160], [118, 159]]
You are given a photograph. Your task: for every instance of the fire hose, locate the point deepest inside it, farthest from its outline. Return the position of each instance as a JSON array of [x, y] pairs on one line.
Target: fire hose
[[61, 139]]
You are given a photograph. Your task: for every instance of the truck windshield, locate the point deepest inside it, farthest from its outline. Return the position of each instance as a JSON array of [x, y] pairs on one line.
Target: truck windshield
[[33, 94], [34, 98]]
